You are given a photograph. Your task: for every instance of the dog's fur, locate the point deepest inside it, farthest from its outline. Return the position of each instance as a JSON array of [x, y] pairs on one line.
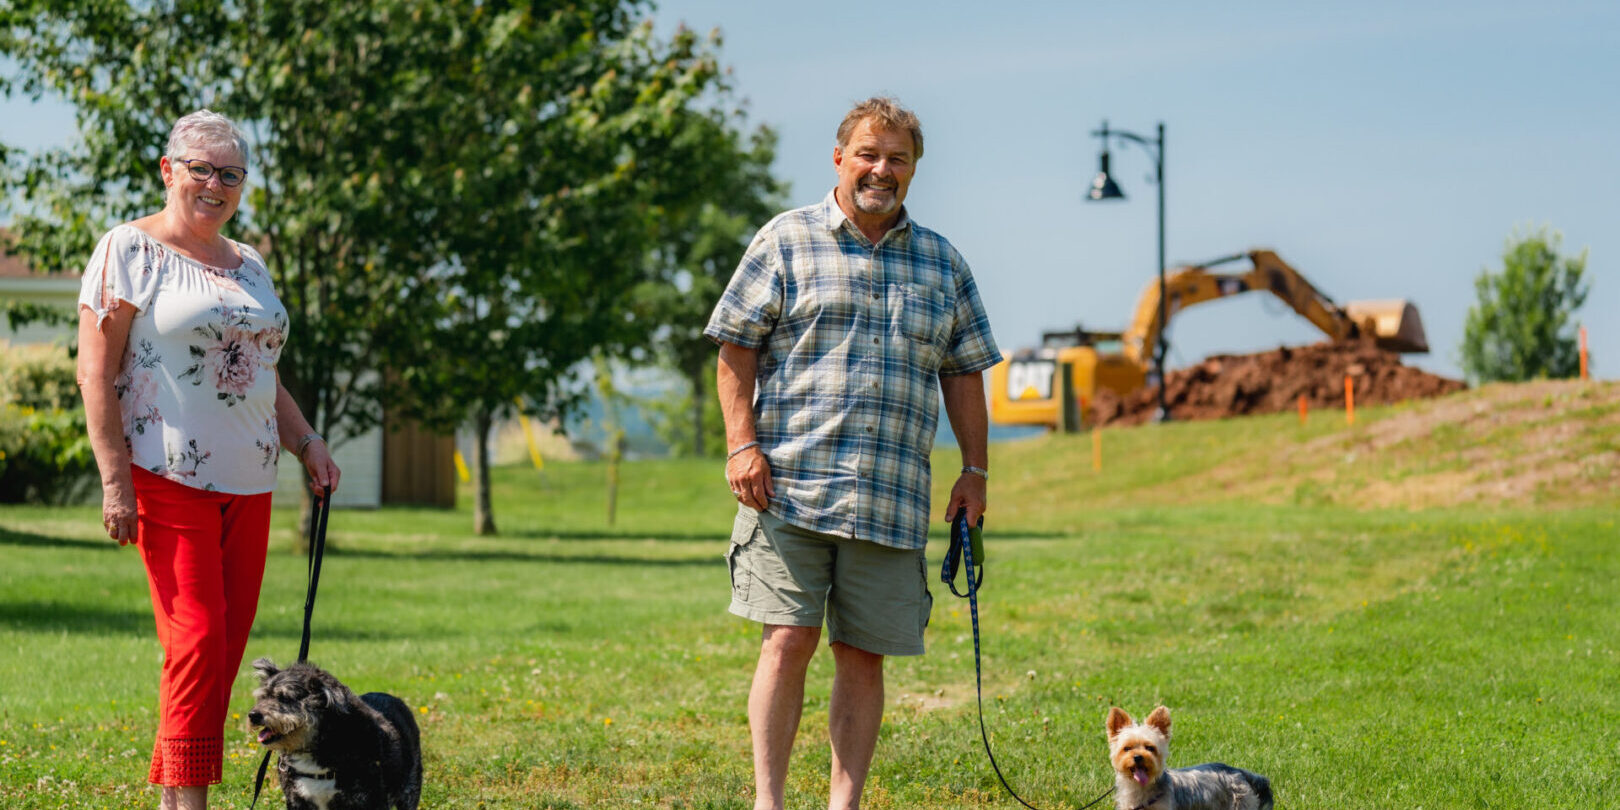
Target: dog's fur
[[336, 751], [1140, 754]]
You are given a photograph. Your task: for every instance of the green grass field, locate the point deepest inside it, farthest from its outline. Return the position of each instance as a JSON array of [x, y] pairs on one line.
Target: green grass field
[[1361, 655]]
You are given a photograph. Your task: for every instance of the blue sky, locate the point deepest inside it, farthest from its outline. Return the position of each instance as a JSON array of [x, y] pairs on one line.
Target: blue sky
[[1385, 149]]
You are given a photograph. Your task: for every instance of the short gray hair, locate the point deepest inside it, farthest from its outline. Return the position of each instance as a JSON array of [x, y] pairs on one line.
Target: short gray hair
[[205, 128], [885, 112]]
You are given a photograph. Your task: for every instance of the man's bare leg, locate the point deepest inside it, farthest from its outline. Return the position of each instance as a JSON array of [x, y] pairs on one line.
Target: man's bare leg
[[775, 704], [855, 715]]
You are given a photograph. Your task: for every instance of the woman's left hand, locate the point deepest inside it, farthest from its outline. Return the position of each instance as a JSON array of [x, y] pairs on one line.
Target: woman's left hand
[[322, 470]]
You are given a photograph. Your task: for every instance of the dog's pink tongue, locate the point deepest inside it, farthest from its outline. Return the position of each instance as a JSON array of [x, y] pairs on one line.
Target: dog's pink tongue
[[1139, 773], [265, 735]]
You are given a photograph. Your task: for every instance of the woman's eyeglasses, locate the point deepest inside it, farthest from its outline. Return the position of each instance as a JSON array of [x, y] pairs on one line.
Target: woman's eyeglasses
[[201, 170]]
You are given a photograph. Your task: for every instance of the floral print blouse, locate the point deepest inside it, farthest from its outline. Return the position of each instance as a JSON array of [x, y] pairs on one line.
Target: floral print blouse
[[197, 387]]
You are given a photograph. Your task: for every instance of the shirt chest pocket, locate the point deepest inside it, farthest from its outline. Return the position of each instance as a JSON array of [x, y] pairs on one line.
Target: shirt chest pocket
[[923, 315]]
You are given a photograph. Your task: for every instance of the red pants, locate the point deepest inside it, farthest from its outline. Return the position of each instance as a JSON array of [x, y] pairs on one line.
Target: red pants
[[204, 554]]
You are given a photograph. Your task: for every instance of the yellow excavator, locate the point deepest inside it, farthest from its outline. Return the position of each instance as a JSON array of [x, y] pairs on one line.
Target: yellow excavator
[[1027, 387]]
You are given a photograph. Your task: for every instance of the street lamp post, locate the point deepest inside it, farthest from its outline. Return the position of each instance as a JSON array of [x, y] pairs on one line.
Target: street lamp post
[[1104, 188]]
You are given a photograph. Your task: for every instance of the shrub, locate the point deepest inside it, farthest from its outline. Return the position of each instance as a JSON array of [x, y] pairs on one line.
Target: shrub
[[45, 453], [1523, 327], [671, 419]]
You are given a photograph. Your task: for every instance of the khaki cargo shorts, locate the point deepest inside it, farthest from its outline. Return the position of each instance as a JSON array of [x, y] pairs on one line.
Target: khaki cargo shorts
[[872, 597]]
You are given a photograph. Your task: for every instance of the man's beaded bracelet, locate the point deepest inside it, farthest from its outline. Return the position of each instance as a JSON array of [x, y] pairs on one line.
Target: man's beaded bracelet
[[979, 471], [733, 454]]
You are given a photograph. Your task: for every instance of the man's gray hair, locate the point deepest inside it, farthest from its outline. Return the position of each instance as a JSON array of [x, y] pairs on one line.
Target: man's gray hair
[[885, 113], [205, 128]]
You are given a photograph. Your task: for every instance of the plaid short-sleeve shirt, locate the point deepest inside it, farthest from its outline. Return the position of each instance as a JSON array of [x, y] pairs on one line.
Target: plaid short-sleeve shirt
[[852, 339]]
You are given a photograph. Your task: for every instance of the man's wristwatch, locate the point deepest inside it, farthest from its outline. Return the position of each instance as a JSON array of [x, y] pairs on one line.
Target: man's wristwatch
[[979, 471]]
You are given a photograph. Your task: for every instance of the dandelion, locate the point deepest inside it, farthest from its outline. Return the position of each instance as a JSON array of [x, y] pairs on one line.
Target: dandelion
[[607, 721]]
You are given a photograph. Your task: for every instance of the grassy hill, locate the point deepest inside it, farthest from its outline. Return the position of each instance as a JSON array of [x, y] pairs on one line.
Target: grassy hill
[[1414, 611], [1544, 444]]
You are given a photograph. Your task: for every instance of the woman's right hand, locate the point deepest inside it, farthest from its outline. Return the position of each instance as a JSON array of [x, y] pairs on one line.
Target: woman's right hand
[[118, 512], [101, 357]]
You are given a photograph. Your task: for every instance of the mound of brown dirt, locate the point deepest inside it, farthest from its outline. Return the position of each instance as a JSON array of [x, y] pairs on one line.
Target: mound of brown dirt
[[1270, 382]]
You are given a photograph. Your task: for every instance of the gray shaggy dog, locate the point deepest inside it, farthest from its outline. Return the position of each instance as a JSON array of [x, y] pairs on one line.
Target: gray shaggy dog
[[336, 750]]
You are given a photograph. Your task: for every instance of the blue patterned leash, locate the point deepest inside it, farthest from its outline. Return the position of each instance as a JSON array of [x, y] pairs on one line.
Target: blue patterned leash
[[960, 551]]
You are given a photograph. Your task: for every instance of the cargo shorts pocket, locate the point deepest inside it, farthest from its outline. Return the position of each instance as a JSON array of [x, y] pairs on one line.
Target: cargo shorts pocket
[[744, 532], [927, 610]]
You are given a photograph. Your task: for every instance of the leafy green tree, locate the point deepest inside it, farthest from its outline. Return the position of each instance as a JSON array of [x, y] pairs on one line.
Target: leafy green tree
[[670, 414], [323, 92], [561, 144], [456, 197], [1522, 327], [700, 244]]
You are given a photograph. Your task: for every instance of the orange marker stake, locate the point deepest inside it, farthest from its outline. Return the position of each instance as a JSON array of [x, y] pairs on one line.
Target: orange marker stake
[[1096, 449], [1583, 353], [1302, 410], [1349, 400]]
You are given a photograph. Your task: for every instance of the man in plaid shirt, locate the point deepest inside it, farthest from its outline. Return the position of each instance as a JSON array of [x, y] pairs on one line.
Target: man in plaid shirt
[[841, 324]]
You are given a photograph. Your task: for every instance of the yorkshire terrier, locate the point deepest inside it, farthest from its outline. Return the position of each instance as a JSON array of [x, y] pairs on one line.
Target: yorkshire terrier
[[1140, 753]]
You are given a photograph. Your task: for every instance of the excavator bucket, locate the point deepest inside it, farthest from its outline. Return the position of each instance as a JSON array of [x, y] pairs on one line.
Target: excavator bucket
[[1394, 324]]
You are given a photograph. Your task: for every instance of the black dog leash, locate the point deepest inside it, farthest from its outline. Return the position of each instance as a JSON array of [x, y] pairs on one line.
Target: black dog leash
[[317, 550], [961, 550]]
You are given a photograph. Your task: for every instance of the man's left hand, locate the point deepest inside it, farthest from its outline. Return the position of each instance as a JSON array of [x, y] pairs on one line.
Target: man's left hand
[[968, 493]]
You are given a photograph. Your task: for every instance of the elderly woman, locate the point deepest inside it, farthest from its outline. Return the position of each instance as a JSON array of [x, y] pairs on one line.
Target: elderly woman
[[179, 333]]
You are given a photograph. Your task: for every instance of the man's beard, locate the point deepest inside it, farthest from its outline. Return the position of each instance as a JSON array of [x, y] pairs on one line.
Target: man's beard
[[878, 203]]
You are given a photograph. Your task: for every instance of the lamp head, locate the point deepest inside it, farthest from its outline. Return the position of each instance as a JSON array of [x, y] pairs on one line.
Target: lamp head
[[1103, 186]]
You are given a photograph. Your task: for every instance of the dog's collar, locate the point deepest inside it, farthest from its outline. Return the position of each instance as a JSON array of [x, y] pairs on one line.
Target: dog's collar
[[1150, 802]]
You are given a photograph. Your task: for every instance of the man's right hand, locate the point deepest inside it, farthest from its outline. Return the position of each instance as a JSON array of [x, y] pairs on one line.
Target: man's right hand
[[749, 474]]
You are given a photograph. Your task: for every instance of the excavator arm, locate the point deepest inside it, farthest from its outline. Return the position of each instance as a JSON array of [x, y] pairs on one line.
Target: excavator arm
[[1394, 324], [1052, 384]]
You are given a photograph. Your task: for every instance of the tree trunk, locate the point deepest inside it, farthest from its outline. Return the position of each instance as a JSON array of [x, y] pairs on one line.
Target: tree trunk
[[483, 513], [306, 501], [615, 456], [696, 377], [306, 513]]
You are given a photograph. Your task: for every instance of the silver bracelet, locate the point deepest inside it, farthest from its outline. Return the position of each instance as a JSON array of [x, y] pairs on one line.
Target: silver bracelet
[[304, 442], [979, 471], [733, 454]]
